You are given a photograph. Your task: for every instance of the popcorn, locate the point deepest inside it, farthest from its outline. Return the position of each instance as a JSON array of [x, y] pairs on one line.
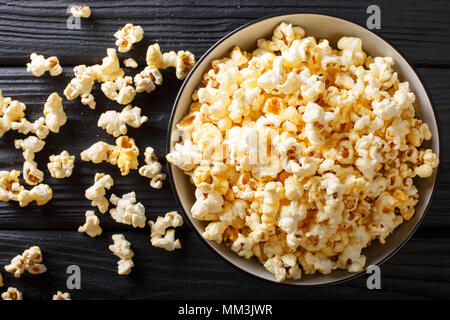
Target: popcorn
[[127, 211], [182, 61], [147, 79], [10, 111], [115, 123], [163, 238], [39, 65], [301, 154], [121, 249], [152, 169], [37, 127], [80, 11], [96, 193], [61, 166], [92, 225], [31, 145], [12, 294], [10, 187], [30, 260], [1, 280], [128, 35], [119, 90], [130, 63], [61, 296], [42, 193], [98, 152], [110, 69], [55, 116]]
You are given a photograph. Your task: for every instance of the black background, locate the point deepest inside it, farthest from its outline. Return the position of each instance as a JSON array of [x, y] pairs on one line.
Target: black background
[[420, 29]]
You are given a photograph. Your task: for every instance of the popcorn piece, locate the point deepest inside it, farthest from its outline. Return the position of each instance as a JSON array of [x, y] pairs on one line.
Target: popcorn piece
[[116, 123], [81, 85], [1, 280], [12, 294], [61, 296], [182, 61], [130, 63], [128, 35], [10, 187], [119, 90], [152, 169], [430, 161], [30, 260], [110, 69], [163, 238], [96, 193], [92, 225], [61, 166], [31, 145], [127, 211], [10, 111], [121, 249], [147, 79], [125, 155], [98, 152], [42, 193], [39, 65], [37, 127], [80, 11]]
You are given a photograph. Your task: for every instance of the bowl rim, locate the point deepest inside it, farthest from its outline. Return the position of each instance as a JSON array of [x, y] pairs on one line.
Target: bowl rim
[[352, 276]]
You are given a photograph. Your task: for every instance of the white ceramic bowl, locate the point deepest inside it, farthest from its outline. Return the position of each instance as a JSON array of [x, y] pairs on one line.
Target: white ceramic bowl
[[319, 26]]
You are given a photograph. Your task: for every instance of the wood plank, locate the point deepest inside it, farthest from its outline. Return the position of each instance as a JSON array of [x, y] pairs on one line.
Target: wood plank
[[41, 26], [181, 274]]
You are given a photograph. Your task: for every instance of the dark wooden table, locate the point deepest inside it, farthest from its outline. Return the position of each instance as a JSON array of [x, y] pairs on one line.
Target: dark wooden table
[[420, 29]]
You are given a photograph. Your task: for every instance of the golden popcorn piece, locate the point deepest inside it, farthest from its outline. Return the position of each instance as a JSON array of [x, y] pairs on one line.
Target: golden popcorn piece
[[127, 36], [92, 225], [96, 192], [61, 296], [80, 11], [124, 155], [161, 237], [42, 193], [130, 63], [61, 166], [115, 123], [10, 187], [182, 61], [127, 211], [10, 111], [147, 79], [152, 169], [119, 90], [30, 260], [121, 248], [55, 117], [39, 65], [38, 127], [12, 294]]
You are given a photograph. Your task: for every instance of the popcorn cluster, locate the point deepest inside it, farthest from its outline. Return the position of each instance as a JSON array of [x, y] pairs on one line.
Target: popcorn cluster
[[161, 237], [92, 225], [124, 154], [39, 65], [302, 154], [127, 211], [152, 169], [121, 249], [30, 260]]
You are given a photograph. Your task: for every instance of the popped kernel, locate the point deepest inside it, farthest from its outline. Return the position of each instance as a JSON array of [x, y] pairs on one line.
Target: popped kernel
[[80, 11], [115, 123], [152, 169], [161, 237], [30, 260], [127, 211], [92, 225], [182, 61], [127, 36], [61, 166], [96, 192], [12, 294], [122, 249], [39, 65], [61, 296]]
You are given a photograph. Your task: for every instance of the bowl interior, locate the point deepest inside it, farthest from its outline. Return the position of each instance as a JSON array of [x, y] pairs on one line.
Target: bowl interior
[[330, 28]]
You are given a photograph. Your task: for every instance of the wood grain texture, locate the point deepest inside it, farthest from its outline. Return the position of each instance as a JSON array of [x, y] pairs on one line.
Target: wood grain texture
[[419, 270]]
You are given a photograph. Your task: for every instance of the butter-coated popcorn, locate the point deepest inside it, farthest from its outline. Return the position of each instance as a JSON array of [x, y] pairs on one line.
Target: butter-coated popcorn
[[55, 117], [38, 127], [301, 154], [128, 35], [152, 169], [115, 123], [147, 79], [182, 61], [61, 166], [119, 90], [122, 249], [96, 192], [30, 260], [80, 11], [92, 225], [31, 145], [161, 237], [42, 193], [10, 187], [61, 296], [97, 153], [39, 65], [12, 294], [127, 211], [10, 111]]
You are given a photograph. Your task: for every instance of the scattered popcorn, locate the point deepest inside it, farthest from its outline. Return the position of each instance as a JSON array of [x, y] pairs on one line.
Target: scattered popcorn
[[80, 11], [31, 145], [163, 238], [12, 294], [147, 79], [127, 211], [61, 166], [301, 154], [10, 187], [115, 123], [121, 249], [98, 152], [182, 61], [128, 35], [152, 169], [55, 117], [42, 193], [10, 111], [130, 63], [61, 296], [92, 225], [39, 65], [37, 127], [30, 260], [119, 90], [96, 192]]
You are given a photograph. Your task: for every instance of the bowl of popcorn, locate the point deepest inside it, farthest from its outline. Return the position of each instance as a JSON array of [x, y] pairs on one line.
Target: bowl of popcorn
[[303, 149]]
